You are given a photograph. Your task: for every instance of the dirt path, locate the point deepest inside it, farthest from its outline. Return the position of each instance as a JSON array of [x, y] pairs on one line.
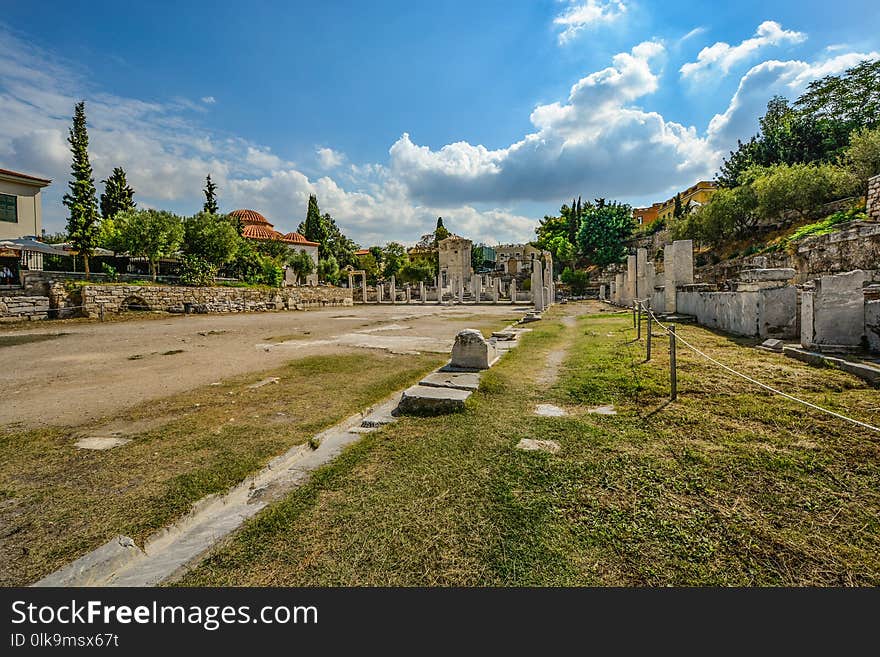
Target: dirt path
[[550, 372], [83, 372]]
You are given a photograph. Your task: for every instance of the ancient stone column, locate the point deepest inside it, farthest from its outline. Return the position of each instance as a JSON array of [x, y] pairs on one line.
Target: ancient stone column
[[496, 283], [392, 290], [548, 283], [641, 274], [422, 297], [631, 269], [364, 281], [512, 290], [678, 269], [602, 291], [379, 289], [408, 293]]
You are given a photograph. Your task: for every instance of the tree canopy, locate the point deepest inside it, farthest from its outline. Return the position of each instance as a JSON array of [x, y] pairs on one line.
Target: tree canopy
[[118, 196], [604, 229], [150, 234], [210, 190]]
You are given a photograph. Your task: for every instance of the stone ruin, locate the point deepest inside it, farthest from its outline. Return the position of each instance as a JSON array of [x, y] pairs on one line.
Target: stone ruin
[[831, 313]]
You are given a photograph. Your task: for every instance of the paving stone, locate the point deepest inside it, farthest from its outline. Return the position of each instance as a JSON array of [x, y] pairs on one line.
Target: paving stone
[[549, 410], [459, 380], [772, 345], [101, 443], [531, 445], [603, 410], [427, 400]]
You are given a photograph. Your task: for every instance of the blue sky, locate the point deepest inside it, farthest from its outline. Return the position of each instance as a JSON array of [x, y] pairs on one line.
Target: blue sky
[[488, 113]]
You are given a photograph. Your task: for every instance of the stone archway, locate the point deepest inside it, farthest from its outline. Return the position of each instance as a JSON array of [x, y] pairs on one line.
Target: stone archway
[[135, 303]]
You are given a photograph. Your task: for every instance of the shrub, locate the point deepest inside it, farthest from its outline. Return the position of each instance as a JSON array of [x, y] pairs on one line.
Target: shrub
[[196, 271], [576, 280]]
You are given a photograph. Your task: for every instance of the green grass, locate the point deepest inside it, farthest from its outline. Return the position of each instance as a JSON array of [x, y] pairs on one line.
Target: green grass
[[727, 486], [827, 225], [58, 502]]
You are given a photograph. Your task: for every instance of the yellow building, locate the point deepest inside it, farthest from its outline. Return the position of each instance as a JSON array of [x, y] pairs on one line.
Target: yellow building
[[691, 198]]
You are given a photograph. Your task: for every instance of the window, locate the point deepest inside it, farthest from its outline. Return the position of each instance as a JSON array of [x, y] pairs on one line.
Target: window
[[641, 220], [9, 208]]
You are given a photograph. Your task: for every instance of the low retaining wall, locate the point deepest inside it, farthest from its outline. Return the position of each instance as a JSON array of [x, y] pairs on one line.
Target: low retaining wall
[[171, 298], [765, 312], [24, 307]]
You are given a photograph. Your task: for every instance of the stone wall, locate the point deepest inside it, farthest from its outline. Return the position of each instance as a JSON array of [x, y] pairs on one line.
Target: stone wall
[[24, 307], [171, 298], [833, 312], [855, 245], [873, 208], [763, 311]]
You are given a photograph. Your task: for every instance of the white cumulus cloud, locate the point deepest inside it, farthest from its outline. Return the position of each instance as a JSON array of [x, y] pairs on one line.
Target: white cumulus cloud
[[721, 57], [328, 158], [581, 15]]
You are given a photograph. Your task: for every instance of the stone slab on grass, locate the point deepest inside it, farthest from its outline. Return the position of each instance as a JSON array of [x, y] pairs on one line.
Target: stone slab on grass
[[101, 442], [459, 380], [427, 400], [602, 410], [549, 410], [532, 445], [772, 345]]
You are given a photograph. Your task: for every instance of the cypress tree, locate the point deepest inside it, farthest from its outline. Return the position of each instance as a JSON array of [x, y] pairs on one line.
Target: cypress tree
[[210, 190], [313, 227], [676, 210], [118, 196], [81, 201]]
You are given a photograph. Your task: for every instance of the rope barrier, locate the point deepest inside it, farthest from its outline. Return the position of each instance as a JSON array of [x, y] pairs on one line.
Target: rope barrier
[[755, 381]]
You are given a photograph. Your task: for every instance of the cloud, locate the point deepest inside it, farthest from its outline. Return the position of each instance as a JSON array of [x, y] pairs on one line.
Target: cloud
[[690, 35], [581, 15], [596, 142], [721, 57], [768, 79], [263, 159], [167, 157], [209, 100], [328, 158]]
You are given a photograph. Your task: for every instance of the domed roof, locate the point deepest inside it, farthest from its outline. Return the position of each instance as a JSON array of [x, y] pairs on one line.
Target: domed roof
[[259, 232], [298, 238], [250, 217]]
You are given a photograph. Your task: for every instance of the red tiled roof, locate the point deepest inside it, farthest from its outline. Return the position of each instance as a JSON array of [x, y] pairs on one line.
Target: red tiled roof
[[7, 172], [361, 252], [250, 217], [297, 238]]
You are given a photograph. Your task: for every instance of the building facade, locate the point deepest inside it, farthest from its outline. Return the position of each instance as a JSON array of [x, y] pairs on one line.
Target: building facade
[[514, 259], [21, 212], [647, 216], [454, 254], [691, 198]]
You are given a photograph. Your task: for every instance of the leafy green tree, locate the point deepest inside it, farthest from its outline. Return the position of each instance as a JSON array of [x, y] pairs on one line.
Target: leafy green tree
[[83, 220], [328, 269], [852, 98], [799, 188], [414, 272], [196, 271], [150, 234], [210, 190], [576, 279], [863, 156], [368, 263], [118, 196], [302, 264], [393, 259], [731, 213], [604, 229], [213, 238]]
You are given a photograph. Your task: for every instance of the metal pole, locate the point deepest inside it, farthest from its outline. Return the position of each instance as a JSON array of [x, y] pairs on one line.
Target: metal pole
[[634, 314], [673, 379], [650, 321], [101, 310]]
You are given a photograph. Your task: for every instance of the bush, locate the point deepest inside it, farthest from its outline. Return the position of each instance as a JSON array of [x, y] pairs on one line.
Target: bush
[[576, 280], [110, 271], [196, 271]]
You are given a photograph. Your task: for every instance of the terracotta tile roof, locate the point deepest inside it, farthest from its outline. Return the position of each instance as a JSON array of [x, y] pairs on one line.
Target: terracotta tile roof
[[361, 252], [297, 238], [8, 172], [250, 217]]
